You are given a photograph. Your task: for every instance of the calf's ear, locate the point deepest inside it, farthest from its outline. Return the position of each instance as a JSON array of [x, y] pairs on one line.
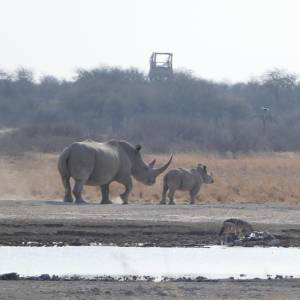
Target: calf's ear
[[138, 147], [199, 165]]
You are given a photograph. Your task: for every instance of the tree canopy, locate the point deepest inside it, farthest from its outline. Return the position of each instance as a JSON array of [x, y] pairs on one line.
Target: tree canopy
[[187, 113]]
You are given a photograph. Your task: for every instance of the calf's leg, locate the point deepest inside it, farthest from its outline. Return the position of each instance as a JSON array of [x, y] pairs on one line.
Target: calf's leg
[[164, 194], [193, 194], [171, 196]]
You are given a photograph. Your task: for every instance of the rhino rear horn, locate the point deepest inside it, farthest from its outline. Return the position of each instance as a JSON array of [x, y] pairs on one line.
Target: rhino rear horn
[[163, 168], [152, 163]]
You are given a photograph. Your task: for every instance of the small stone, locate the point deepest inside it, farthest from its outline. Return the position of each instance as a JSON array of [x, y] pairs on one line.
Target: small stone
[[274, 243], [200, 278], [163, 293], [129, 293]]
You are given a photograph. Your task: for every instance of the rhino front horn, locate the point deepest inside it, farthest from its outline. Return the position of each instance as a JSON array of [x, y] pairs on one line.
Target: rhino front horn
[[163, 168]]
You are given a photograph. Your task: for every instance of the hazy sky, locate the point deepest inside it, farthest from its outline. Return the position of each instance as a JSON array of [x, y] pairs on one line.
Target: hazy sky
[[216, 39]]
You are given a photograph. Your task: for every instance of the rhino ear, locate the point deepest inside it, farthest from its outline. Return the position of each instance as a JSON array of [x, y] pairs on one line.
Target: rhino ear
[[205, 168], [138, 148]]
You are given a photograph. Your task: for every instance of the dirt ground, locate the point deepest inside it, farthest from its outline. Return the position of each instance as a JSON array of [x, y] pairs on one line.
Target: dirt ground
[[51, 222], [96, 290]]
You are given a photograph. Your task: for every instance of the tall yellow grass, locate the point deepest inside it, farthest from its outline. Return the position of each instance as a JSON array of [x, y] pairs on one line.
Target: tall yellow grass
[[252, 178]]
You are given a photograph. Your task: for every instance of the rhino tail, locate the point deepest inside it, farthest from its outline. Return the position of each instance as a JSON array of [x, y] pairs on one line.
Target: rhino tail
[[63, 163]]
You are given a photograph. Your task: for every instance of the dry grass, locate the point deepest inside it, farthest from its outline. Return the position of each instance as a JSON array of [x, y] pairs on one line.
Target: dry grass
[[252, 178]]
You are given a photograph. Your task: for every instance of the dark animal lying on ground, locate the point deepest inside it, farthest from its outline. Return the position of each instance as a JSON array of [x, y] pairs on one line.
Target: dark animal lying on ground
[[234, 229], [236, 232], [185, 180]]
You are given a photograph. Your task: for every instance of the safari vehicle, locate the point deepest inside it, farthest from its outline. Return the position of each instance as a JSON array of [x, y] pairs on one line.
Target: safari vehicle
[[161, 66]]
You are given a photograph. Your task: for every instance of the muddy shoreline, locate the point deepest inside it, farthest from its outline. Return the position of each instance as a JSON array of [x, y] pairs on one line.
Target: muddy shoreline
[[127, 233], [48, 223]]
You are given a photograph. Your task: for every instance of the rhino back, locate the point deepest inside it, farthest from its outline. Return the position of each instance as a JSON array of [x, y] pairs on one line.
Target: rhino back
[[96, 162], [180, 179]]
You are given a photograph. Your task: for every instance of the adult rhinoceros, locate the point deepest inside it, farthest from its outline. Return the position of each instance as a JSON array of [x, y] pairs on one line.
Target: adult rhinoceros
[[98, 164]]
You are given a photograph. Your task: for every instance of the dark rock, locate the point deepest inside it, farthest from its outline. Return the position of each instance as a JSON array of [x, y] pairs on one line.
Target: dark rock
[[149, 278], [129, 293], [75, 277], [55, 278], [162, 293], [9, 276], [45, 277], [200, 278]]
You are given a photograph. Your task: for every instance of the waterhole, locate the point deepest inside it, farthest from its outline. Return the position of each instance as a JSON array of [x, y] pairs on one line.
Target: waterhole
[[215, 262]]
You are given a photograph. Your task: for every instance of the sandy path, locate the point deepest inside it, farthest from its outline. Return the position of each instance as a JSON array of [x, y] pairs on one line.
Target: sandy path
[[268, 213]]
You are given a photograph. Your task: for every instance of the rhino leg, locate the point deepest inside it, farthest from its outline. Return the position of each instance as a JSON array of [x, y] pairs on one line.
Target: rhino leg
[[192, 201], [193, 194], [164, 194], [68, 195], [128, 187], [77, 192], [105, 194], [171, 197]]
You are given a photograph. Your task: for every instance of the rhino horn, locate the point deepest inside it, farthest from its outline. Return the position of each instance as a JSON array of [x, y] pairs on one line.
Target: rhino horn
[[152, 163], [163, 168]]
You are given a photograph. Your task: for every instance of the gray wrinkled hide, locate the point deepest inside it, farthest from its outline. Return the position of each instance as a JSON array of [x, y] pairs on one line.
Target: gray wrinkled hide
[[184, 180], [98, 164]]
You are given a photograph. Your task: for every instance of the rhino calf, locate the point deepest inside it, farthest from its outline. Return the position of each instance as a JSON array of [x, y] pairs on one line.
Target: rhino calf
[[185, 180]]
